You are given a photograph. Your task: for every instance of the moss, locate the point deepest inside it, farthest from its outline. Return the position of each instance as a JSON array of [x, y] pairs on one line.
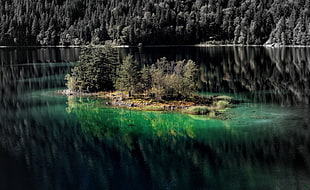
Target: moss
[[222, 104], [198, 110]]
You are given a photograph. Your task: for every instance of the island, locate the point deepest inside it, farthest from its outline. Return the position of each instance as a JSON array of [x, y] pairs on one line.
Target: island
[[162, 86]]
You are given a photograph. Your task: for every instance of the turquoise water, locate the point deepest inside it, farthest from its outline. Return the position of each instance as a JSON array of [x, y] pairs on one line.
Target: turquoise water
[[48, 141]]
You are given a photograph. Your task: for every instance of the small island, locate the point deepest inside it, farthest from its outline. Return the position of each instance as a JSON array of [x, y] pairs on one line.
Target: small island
[[162, 86]]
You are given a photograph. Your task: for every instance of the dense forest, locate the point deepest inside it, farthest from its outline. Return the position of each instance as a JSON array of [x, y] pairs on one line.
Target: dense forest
[[76, 22]]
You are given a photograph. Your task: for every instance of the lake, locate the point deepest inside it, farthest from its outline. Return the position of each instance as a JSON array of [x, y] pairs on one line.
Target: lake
[[48, 141]]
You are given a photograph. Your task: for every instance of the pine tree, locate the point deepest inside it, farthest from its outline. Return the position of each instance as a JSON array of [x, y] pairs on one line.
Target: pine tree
[[95, 70], [127, 76], [145, 82]]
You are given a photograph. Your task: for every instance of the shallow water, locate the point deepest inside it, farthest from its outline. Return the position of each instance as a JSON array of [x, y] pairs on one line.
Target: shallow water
[[49, 141]]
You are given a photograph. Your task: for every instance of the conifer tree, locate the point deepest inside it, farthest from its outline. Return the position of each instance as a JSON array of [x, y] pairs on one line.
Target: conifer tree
[[127, 76], [95, 70]]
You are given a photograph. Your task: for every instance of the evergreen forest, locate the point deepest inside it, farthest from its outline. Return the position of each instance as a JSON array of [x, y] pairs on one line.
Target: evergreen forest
[[133, 22]]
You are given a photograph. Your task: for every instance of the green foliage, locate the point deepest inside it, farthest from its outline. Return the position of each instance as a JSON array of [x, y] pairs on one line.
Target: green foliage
[[189, 78], [98, 70], [157, 77], [145, 80], [173, 79], [163, 79], [127, 76], [95, 70]]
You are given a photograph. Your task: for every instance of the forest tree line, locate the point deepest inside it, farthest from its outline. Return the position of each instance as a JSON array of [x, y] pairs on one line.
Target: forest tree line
[[77, 22]]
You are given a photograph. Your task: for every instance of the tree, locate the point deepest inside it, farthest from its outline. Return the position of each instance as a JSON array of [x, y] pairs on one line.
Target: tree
[[145, 81], [35, 28], [173, 79], [127, 76], [189, 78], [157, 71], [95, 70]]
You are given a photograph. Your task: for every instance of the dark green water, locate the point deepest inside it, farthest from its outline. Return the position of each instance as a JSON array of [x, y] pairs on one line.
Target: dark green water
[[53, 142]]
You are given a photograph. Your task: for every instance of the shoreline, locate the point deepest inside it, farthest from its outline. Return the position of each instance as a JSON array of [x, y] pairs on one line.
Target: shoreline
[[212, 106], [148, 46]]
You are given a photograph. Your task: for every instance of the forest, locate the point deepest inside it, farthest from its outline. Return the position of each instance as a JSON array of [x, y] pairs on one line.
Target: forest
[[133, 22]]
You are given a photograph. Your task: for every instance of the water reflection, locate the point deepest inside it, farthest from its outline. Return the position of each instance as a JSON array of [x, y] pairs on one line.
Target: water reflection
[[24, 70], [13, 56]]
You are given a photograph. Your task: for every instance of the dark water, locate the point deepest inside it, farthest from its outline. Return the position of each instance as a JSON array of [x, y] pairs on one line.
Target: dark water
[[53, 142]]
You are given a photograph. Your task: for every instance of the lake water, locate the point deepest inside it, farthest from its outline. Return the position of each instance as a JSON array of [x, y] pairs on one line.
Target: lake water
[[49, 141]]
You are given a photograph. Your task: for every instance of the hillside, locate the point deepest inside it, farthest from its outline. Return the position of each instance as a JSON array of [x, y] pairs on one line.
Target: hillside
[[76, 22]]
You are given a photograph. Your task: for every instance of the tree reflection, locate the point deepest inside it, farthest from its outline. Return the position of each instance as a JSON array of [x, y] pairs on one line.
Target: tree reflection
[[277, 75]]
